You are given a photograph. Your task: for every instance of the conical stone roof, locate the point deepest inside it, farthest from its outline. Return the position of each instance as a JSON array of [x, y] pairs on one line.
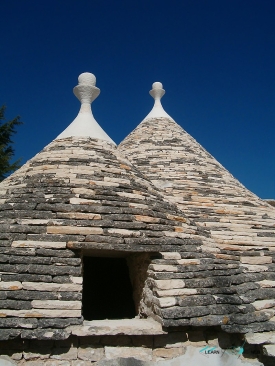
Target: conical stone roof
[[242, 225], [79, 193]]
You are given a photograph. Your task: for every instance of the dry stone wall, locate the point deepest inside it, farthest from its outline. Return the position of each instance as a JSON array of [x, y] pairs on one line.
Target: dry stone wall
[[83, 351], [76, 195], [81, 194], [241, 225]]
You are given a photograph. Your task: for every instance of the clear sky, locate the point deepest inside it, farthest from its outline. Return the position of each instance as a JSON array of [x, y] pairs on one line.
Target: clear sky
[[215, 58]]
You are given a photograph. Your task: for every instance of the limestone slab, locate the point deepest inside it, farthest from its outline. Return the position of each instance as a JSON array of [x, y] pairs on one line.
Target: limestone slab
[[42, 313], [78, 230], [38, 244], [43, 286], [115, 327], [169, 284], [56, 304], [10, 286]]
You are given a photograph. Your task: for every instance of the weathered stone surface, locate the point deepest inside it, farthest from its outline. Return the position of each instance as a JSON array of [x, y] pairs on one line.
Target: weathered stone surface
[[264, 304], [160, 353], [10, 333], [250, 317], [26, 278], [90, 354], [269, 350], [169, 284], [10, 286], [185, 312], [266, 283], [74, 230], [41, 313], [172, 255], [56, 304], [14, 304], [80, 363], [196, 300], [18, 323], [256, 260], [252, 327], [164, 302], [261, 338], [38, 244], [6, 361], [58, 323], [55, 253], [176, 292], [45, 334], [32, 354], [118, 327], [209, 320], [3, 295], [30, 295], [41, 286]]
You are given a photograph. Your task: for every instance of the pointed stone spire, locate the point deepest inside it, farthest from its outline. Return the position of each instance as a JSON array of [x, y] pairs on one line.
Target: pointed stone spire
[[157, 93], [85, 125]]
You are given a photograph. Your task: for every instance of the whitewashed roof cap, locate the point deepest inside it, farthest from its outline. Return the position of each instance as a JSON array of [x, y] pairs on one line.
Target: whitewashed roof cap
[[85, 125], [157, 111]]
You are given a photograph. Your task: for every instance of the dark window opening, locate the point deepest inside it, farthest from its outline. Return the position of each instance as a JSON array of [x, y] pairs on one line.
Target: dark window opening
[[107, 289]]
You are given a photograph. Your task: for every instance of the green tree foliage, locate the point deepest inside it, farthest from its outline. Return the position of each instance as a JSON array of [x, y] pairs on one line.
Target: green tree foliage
[[7, 130]]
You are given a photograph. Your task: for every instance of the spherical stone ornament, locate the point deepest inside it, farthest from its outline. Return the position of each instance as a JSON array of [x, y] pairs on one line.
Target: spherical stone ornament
[[157, 85], [87, 78]]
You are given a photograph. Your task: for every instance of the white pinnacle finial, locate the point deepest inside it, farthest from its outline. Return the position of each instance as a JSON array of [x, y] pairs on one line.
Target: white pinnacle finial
[[85, 125], [157, 93]]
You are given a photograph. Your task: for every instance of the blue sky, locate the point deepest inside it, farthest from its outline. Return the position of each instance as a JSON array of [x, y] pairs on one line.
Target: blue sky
[[215, 58]]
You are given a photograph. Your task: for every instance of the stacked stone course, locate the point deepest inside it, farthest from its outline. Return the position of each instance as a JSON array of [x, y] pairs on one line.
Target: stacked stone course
[[241, 225]]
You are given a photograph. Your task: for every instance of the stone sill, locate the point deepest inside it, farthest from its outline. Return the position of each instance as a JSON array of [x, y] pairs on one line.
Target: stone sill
[[117, 327]]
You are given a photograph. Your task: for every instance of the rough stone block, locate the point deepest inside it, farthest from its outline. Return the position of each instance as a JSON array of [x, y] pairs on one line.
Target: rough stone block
[[165, 302], [256, 259], [162, 353], [170, 255], [169, 284], [269, 350], [90, 354], [176, 292], [260, 338], [266, 283], [32, 354], [163, 268], [188, 262], [264, 304], [18, 323]]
